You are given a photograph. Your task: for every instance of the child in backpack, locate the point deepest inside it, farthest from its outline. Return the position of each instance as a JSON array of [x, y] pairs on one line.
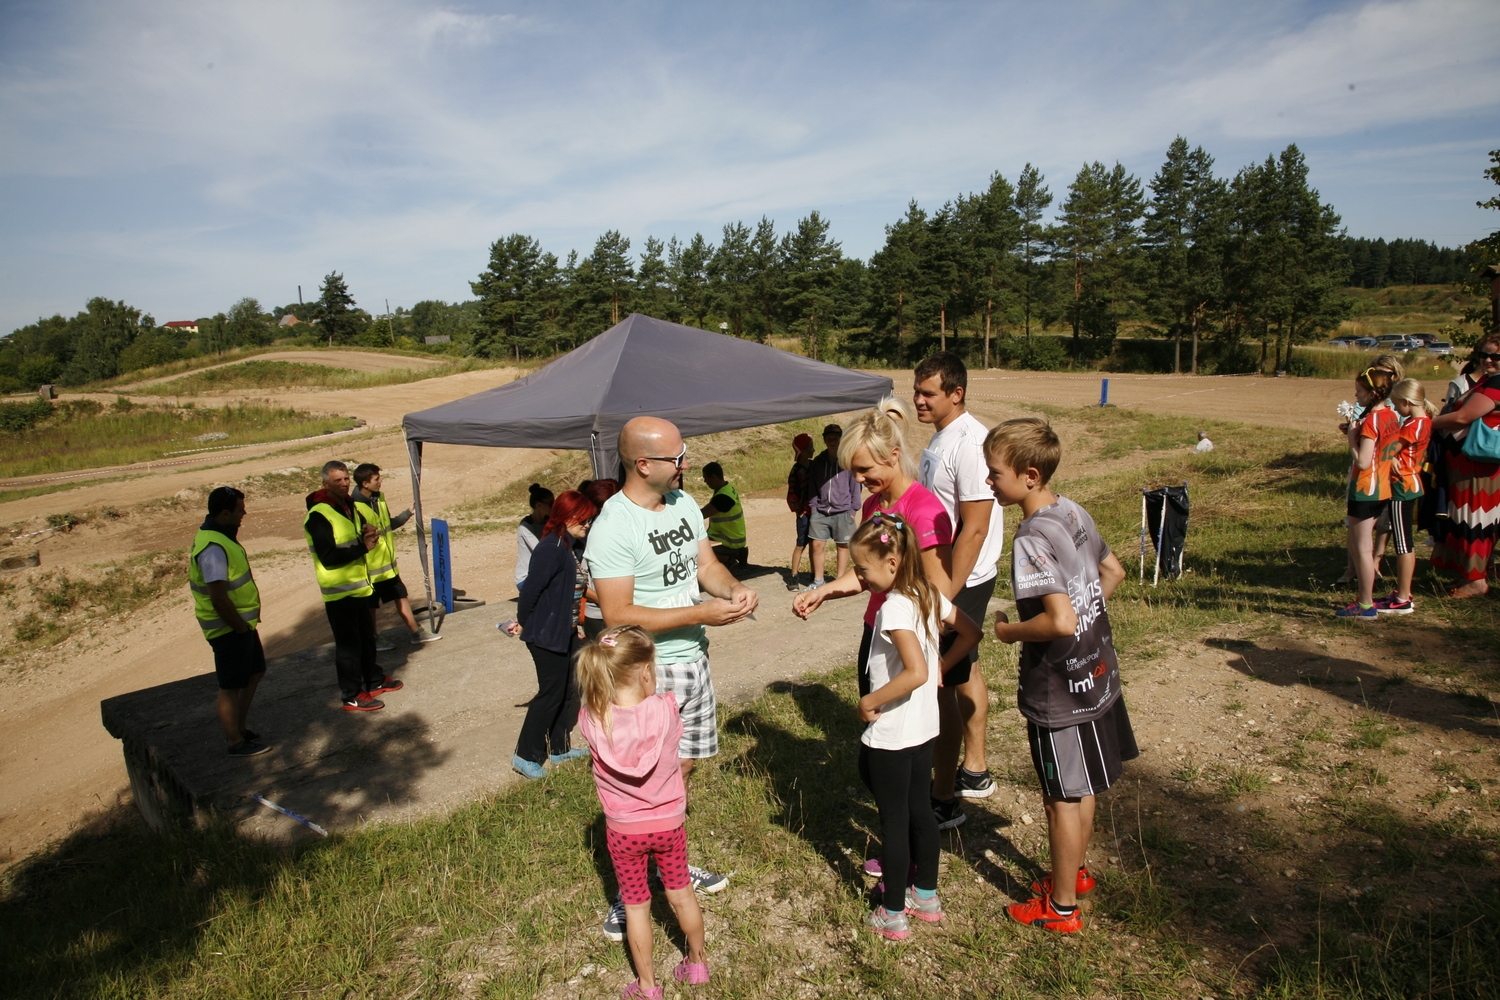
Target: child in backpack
[[901, 715], [633, 733], [1372, 446], [1409, 399], [1062, 575]]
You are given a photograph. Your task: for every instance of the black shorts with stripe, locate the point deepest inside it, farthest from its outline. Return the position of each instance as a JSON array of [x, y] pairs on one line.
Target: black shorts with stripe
[[1084, 759]]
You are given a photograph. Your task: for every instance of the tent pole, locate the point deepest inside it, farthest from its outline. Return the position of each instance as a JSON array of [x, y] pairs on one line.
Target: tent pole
[[1161, 537], [414, 457]]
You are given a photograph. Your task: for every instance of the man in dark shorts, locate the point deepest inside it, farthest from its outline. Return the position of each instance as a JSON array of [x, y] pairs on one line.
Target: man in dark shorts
[[953, 469], [369, 500], [226, 603]]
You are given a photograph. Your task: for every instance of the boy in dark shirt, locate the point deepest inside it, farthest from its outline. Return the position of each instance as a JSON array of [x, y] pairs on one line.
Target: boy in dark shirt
[[1062, 573]]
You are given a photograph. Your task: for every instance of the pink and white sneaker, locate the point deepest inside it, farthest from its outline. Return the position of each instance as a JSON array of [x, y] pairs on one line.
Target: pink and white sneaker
[[1392, 605]]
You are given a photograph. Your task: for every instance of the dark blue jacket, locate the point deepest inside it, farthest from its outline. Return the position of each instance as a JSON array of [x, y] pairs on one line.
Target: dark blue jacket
[[547, 612]]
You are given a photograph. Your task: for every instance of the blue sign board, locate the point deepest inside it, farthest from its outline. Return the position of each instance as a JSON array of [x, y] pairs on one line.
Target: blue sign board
[[442, 565]]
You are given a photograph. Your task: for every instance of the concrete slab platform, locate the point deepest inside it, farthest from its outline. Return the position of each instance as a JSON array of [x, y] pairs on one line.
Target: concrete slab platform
[[443, 740]]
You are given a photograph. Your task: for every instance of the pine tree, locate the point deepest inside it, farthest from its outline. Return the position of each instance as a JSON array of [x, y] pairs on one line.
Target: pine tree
[[336, 310], [729, 276], [1287, 264], [810, 267], [991, 229], [687, 267], [1184, 236], [763, 275], [896, 278], [652, 287], [1031, 200], [515, 292], [1096, 235], [1482, 253]]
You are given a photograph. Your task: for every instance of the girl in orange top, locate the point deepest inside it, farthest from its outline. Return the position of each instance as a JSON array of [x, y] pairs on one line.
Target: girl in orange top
[[1372, 446], [1409, 399]]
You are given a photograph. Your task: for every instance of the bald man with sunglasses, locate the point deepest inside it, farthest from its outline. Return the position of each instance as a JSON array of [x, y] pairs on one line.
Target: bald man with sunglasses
[[650, 556]]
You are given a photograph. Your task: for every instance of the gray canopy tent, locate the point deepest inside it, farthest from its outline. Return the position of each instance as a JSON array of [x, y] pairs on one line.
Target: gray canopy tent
[[703, 382]]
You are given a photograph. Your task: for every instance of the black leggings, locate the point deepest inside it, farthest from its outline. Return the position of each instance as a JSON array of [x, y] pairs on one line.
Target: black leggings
[[901, 781], [553, 712]]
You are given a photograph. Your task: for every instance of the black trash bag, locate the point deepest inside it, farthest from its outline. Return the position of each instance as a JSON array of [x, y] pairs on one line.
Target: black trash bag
[[1166, 523]]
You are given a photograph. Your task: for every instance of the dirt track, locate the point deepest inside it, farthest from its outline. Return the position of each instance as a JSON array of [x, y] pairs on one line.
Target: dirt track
[[360, 361], [57, 763]]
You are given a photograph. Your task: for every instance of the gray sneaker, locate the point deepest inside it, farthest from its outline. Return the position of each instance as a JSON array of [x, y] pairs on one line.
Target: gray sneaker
[[383, 645], [707, 881], [891, 926], [421, 635], [614, 921], [930, 910]]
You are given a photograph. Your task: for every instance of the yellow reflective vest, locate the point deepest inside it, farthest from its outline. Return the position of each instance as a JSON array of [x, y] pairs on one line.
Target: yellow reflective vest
[[242, 590], [351, 579], [728, 528], [381, 560]]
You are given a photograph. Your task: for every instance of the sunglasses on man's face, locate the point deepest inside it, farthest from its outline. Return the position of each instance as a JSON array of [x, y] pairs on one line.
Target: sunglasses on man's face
[[680, 460]]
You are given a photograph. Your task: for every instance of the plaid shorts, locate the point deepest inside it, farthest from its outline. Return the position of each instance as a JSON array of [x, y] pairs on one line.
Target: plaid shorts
[[692, 685]]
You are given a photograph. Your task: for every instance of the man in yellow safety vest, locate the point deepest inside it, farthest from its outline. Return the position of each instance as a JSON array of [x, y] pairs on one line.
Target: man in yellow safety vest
[[369, 501], [338, 538], [226, 603], [726, 520]]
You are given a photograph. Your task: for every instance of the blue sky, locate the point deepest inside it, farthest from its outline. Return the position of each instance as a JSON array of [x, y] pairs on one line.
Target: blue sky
[[182, 155]]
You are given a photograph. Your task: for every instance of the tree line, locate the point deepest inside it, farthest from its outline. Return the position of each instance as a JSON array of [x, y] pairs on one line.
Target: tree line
[[1218, 265]]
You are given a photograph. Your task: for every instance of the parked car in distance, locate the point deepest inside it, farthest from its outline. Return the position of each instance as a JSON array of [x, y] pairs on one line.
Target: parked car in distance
[[1389, 338], [1405, 345], [1427, 339], [1365, 343], [1341, 342], [1440, 348]]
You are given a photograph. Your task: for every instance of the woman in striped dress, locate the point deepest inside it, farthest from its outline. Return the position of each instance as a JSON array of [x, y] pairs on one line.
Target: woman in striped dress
[[1473, 486]]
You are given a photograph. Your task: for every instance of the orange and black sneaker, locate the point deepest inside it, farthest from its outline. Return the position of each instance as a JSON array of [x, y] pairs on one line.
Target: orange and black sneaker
[[1041, 913], [1086, 883]]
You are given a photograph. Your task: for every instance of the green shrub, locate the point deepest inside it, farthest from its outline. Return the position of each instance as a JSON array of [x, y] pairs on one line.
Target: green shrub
[[23, 416]]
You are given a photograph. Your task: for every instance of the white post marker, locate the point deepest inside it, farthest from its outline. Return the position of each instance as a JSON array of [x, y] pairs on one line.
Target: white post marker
[[315, 828]]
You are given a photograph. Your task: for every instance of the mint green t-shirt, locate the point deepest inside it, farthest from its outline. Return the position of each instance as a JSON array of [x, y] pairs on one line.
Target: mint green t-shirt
[[660, 549]]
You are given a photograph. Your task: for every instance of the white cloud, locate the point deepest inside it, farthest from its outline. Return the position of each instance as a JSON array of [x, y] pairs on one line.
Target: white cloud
[[402, 136]]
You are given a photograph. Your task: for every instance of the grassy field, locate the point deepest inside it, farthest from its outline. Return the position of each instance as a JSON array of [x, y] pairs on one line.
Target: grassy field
[[503, 897], [1406, 309], [85, 435], [290, 374], [207, 360]]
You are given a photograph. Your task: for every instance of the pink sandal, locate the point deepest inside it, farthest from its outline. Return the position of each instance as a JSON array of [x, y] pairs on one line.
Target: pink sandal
[[635, 989], [692, 973]]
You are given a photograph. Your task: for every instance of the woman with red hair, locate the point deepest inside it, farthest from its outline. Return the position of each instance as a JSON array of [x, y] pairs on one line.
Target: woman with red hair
[[548, 616]]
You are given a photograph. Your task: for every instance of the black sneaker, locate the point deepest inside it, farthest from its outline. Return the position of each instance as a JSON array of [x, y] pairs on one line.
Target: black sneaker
[[948, 814], [248, 748], [250, 734], [973, 784]]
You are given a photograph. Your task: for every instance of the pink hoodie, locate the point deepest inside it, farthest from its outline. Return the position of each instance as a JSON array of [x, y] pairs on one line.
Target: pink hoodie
[[635, 767]]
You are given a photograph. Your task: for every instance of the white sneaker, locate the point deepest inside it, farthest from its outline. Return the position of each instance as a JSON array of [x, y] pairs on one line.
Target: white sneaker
[[383, 645], [421, 635]]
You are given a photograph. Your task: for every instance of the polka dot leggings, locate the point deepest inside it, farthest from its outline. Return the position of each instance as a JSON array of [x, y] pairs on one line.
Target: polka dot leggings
[[629, 852]]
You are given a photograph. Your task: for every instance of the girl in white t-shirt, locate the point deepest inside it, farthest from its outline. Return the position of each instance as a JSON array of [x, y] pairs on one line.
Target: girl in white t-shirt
[[901, 712]]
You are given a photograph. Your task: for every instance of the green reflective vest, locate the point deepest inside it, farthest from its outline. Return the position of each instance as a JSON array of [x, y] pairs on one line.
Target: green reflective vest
[[349, 580], [728, 528], [242, 590], [381, 560]]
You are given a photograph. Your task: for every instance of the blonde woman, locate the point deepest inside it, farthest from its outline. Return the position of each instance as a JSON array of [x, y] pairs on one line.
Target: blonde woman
[[874, 448]]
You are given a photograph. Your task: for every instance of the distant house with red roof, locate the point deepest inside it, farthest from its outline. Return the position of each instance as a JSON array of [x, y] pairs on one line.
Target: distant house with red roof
[[185, 325]]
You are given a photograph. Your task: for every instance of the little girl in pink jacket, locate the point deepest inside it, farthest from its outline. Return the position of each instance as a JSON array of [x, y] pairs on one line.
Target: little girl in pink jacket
[[633, 734]]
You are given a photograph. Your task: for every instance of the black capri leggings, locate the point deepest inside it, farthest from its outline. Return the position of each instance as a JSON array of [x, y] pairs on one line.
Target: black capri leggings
[[553, 712], [900, 780]]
